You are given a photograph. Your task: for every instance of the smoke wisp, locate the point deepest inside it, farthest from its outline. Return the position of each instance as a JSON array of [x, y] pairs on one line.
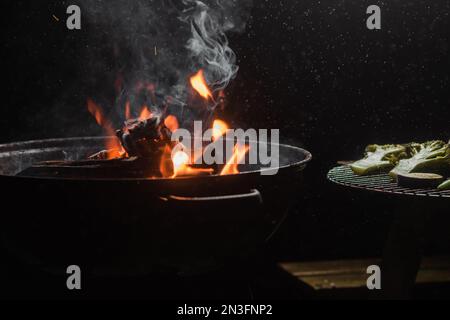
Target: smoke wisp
[[156, 45]]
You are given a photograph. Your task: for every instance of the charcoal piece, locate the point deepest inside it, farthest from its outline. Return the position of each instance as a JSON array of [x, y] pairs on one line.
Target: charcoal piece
[[144, 143], [144, 138]]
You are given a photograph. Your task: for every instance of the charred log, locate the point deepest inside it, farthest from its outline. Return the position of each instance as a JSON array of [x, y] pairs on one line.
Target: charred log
[[144, 153], [144, 138], [143, 143]]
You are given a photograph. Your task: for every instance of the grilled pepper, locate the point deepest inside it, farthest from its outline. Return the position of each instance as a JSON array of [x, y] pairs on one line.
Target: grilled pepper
[[445, 185], [427, 157], [379, 158]]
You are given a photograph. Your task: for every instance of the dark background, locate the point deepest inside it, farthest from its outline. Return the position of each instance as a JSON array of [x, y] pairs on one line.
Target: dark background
[[311, 69]]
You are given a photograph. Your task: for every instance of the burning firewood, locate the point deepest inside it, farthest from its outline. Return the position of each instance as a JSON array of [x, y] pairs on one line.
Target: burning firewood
[[144, 138], [144, 146], [108, 154]]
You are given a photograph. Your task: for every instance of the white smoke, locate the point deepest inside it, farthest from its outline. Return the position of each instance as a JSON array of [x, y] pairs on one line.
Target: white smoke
[[163, 43], [209, 45]]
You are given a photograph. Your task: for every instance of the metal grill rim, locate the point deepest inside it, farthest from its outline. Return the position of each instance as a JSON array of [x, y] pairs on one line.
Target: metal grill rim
[[343, 175]]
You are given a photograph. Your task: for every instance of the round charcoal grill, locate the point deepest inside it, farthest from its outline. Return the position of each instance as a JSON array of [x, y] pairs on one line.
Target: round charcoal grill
[[343, 175], [139, 225]]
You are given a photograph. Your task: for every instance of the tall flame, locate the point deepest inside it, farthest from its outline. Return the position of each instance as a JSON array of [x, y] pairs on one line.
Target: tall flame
[[97, 113], [171, 122], [180, 162], [173, 164], [166, 163], [112, 145], [145, 114], [198, 82], [238, 155], [128, 110], [219, 129]]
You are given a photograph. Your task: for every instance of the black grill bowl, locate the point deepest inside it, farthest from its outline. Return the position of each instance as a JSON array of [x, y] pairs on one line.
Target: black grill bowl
[[129, 226]]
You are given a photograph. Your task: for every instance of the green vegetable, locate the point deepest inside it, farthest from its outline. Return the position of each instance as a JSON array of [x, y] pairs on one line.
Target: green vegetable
[[379, 158], [427, 157], [445, 185], [419, 180]]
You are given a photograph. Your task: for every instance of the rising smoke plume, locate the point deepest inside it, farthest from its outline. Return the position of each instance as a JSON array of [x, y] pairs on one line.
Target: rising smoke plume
[[158, 44]]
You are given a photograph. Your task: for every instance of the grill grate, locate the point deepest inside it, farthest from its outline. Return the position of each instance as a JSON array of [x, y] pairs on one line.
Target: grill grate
[[343, 175]]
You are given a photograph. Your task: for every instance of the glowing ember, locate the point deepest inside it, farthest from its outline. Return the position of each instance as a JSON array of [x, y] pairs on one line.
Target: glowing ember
[[179, 159], [199, 84], [181, 166]]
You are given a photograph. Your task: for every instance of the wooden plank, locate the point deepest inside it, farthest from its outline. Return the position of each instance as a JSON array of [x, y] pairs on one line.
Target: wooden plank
[[346, 274]]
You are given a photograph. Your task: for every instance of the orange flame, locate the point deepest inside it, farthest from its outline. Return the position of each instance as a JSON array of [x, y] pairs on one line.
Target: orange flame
[[178, 165], [219, 129], [180, 162], [171, 122], [128, 110], [145, 114], [181, 166], [199, 84], [97, 113], [166, 164], [232, 165], [113, 146]]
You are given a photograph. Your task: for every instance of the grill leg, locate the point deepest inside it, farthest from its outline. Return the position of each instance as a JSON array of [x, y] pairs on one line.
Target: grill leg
[[403, 251]]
